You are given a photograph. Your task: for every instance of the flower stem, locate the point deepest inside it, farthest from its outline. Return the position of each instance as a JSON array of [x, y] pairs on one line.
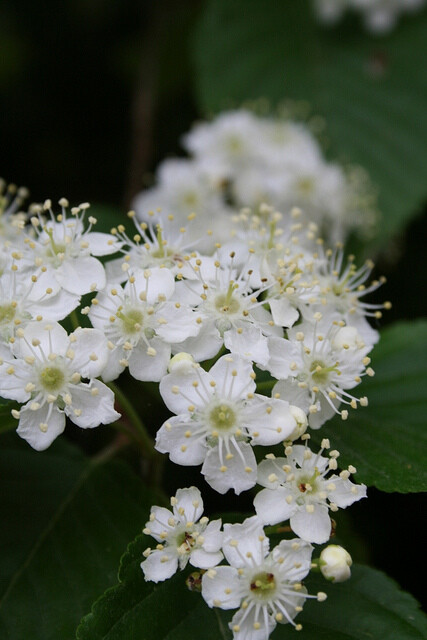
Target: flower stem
[[265, 386], [74, 319], [144, 438]]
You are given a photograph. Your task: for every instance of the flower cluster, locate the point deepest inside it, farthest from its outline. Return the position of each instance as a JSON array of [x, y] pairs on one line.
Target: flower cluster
[[253, 342], [379, 16], [241, 159]]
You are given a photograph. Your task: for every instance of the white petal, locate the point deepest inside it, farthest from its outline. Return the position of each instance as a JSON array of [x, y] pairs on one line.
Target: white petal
[[80, 275], [179, 391], [113, 368], [346, 492], [56, 307], [29, 426], [295, 558], [205, 560], [268, 468], [240, 473], [90, 352], [290, 391], [216, 584], [325, 413], [205, 345], [102, 244], [190, 500], [95, 401], [232, 375], [12, 386], [250, 344], [159, 523], [270, 418], [180, 323], [282, 354], [171, 439], [145, 367], [284, 314], [271, 505], [156, 282], [52, 337], [313, 527], [213, 536], [160, 565], [247, 630], [250, 550]]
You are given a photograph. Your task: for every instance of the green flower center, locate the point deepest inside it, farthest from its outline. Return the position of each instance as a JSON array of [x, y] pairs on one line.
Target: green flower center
[[320, 372], [131, 320], [222, 417], [7, 313], [263, 584], [226, 302], [52, 378]]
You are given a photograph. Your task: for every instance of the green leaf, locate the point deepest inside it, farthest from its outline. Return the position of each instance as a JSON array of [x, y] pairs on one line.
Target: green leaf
[[370, 605], [386, 441], [372, 91], [68, 521]]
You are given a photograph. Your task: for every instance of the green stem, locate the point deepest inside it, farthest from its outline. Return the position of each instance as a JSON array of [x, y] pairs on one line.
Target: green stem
[[74, 319], [265, 386], [144, 437]]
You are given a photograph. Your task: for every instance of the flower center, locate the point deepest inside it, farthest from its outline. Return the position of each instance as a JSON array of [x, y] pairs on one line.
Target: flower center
[[222, 417], [320, 372], [7, 313], [131, 319], [226, 302], [263, 584], [52, 378], [185, 542]]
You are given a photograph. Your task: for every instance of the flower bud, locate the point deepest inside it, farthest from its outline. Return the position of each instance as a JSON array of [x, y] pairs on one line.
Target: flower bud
[[301, 422], [335, 563], [182, 362]]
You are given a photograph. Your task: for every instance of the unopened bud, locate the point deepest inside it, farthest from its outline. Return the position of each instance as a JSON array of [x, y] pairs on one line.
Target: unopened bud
[[335, 563]]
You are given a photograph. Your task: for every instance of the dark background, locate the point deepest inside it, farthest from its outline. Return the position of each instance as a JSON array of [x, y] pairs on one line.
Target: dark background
[[94, 94]]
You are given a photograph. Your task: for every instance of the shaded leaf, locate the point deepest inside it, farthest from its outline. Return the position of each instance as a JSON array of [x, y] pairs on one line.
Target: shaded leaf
[[68, 521]]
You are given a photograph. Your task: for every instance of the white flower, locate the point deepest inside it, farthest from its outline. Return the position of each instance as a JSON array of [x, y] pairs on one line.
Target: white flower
[[265, 587], [183, 536], [301, 488], [342, 285], [183, 190], [225, 145], [141, 323], [218, 418], [318, 365], [25, 296], [335, 563], [160, 241], [229, 312], [66, 248], [11, 222], [46, 374]]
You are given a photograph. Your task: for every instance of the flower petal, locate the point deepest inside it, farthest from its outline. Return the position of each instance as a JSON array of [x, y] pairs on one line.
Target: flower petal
[[30, 421], [160, 565]]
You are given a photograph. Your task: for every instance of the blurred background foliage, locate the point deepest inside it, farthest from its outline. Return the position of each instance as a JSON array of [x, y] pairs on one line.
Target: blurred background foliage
[[95, 93]]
